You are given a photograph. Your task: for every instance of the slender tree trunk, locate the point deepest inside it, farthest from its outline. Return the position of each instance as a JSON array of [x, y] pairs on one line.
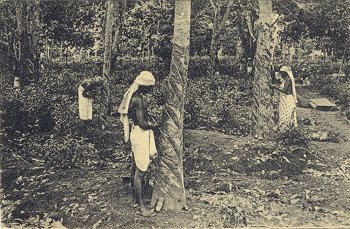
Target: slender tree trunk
[[149, 51], [262, 114], [343, 59], [213, 53], [119, 12], [169, 180], [27, 15], [104, 103], [217, 30], [61, 51], [21, 28], [36, 28], [239, 54], [142, 53], [81, 54]]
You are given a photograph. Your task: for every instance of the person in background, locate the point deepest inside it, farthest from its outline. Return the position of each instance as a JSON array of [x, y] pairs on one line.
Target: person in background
[[134, 106], [86, 91], [287, 98]]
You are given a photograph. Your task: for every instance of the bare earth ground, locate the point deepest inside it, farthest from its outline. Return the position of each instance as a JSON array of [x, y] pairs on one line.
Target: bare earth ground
[[220, 193]]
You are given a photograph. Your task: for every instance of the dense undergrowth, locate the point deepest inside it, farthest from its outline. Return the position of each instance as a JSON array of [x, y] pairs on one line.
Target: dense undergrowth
[[44, 115], [40, 122], [327, 80]]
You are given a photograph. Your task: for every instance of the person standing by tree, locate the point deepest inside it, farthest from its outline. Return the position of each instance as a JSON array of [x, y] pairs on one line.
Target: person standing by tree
[[134, 106], [287, 99], [86, 92]]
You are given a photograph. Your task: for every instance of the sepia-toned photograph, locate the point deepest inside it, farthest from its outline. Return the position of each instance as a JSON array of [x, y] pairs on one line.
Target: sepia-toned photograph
[[174, 114]]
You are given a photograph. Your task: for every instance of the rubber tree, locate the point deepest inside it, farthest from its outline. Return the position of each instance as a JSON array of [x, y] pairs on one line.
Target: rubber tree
[[27, 17], [119, 14], [169, 180], [105, 94], [218, 28], [262, 112]]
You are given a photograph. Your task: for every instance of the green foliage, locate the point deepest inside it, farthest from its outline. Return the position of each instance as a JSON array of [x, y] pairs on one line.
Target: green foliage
[[68, 151], [324, 80], [192, 114], [69, 21], [228, 66], [324, 21], [41, 120], [149, 23], [219, 105], [26, 112], [271, 161], [292, 137]]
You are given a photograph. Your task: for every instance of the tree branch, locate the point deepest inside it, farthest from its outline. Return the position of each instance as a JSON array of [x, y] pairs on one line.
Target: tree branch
[[226, 15]]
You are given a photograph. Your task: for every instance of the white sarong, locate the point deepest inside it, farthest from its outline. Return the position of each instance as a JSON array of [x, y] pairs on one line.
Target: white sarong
[[287, 111], [85, 105], [143, 146]]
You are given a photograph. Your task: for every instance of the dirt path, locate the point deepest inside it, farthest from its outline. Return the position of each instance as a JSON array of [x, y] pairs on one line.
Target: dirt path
[[221, 192]]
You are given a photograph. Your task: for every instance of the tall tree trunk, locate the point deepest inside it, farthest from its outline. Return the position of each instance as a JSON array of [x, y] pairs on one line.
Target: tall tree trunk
[[119, 12], [104, 103], [35, 28], [61, 51], [22, 36], [169, 180], [247, 41], [217, 30], [149, 50], [262, 114], [81, 54], [27, 15], [142, 53], [239, 54], [213, 53], [342, 59]]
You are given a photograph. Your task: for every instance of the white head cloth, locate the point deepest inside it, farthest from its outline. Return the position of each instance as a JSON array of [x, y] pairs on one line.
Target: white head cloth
[[291, 76], [145, 78]]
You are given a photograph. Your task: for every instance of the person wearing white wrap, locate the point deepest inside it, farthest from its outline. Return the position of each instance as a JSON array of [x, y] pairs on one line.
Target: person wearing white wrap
[[287, 99], [86, 91], [134, 107]]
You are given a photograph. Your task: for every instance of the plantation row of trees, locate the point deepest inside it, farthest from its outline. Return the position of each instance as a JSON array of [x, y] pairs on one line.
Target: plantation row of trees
[[144, 29], [171, 31]]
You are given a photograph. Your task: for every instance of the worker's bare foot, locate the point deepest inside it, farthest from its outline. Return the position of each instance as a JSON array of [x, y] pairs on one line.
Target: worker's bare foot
[[145, 212]]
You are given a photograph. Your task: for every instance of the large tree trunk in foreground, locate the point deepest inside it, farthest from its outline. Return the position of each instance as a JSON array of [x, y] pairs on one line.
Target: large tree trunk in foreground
[[104, 102], [262, 114], [169, 180]]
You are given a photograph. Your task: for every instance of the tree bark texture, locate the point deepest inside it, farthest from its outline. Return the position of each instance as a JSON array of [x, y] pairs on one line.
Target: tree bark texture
[[119, 12], [262, 113], [27, 64], [104, 100], [217, 31], [169, 180]]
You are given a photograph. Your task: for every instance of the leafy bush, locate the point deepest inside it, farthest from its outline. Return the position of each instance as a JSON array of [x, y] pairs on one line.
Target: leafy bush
[[292, 137], [33, 113], [26, 112], [346, 70], [198, 67], [271, 161], [68, 151], [192, 114]]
